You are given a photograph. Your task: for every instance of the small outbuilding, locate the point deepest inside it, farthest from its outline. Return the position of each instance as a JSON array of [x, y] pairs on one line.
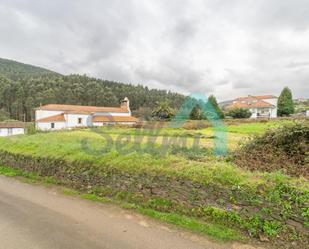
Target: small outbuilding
[[11, 128]]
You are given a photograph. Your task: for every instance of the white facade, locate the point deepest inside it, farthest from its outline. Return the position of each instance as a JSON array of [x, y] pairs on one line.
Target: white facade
[[46, 126], [4, 132], [260, 106], [57, 117], [307, 113], [267, 112]]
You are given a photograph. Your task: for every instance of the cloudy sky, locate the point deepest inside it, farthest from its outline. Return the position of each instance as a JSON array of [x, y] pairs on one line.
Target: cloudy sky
[[224, 47]]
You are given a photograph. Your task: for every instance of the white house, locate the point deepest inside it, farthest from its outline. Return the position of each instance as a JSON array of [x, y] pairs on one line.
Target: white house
[[11, 128], [260, 106], [56, 117]]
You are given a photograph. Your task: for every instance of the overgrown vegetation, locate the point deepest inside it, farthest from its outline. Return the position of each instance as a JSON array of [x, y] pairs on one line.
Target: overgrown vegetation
[[285, 148], [239, 113]]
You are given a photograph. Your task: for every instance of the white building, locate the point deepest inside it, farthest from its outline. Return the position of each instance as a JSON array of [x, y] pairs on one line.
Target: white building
[[11, 128], [56, 117], [260, 106]]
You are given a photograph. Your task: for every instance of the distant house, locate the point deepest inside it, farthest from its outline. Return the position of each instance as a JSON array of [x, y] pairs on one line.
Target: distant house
[[307, 113], [11, 128], [260, 106], [56, 117]]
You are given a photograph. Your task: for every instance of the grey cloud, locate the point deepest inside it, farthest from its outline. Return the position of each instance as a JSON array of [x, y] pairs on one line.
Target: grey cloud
[[298, 64], [225, 47]]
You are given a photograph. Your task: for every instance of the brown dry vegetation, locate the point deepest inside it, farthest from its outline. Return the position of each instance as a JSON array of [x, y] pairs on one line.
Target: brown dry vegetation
[[285, 149]]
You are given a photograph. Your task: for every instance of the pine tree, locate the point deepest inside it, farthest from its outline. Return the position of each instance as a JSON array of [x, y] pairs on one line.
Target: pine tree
[[196, 113], [285, 103], [215, 107]]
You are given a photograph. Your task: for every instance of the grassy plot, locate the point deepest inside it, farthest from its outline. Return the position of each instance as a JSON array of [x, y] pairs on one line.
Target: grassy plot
[[181, 182]]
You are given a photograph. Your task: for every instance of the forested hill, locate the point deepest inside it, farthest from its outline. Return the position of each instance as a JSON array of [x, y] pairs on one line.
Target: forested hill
[[13, 69], [24, 87]]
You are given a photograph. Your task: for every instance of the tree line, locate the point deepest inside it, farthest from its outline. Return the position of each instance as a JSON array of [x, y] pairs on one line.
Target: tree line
[[19, 96]]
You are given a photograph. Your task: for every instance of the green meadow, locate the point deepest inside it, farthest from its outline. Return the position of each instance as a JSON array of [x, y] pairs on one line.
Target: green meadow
[[176, 153]]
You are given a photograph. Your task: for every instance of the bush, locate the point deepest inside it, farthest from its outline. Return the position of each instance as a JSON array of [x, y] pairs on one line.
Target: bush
[[285, 148], [239, 113]]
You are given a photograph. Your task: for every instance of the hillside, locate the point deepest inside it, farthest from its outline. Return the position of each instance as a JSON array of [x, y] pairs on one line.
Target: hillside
[[13, 69], [24, 87]]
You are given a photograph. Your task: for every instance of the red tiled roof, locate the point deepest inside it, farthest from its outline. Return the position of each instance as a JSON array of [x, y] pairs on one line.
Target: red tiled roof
[[55, 118], [258, 104], [83, 109], [114, 119], [12, 124]]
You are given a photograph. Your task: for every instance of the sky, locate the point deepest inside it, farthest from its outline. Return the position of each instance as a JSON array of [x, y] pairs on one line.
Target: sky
[[228, 48]]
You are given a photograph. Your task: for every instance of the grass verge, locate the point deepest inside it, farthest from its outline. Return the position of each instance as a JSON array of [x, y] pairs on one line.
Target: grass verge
[[217, 232]]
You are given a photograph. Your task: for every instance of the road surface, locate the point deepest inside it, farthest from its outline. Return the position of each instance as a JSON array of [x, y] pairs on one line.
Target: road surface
[[37, 217]]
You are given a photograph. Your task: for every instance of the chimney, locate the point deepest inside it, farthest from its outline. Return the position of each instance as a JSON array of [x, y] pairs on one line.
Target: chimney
[[125, 103]]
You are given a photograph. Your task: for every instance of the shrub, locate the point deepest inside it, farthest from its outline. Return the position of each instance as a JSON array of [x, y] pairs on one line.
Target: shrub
[[239, 113], [285, 148]]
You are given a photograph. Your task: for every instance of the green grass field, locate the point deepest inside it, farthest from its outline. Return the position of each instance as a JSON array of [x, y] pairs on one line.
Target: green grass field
[[140, 151], [116, 147]]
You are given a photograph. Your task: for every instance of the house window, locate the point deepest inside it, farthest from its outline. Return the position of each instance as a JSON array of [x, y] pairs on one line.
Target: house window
[[79, 120], [52, 125], [10, 131]]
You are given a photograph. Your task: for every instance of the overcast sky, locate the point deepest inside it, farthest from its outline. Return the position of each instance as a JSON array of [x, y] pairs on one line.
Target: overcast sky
[[224, 47]]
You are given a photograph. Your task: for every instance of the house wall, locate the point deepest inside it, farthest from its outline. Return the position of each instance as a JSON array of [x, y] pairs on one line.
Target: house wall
[[122, 114], [44, 113], [72, 120], [254, 112], [47, 126], [112, 123], [15, 131], [271, 114], [272, 101]]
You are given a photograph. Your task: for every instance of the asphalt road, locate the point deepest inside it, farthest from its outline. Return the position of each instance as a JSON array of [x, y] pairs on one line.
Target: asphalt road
[[37, 217]]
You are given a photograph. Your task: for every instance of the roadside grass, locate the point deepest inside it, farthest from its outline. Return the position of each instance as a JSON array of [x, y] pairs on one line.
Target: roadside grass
[[217, 232], [283, 195], [198, 165]]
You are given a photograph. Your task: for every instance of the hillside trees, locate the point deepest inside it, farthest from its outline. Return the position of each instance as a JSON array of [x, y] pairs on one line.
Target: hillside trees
[[20, 96]]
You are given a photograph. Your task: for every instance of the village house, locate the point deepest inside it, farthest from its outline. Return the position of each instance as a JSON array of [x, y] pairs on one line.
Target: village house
[[11, 128], [57, 117], [260, 106]]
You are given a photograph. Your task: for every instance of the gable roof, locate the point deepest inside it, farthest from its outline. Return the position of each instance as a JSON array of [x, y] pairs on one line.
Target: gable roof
[[258, 104], [12, 124], [101, 118], [81, 108], [114, 119], [54, 118]]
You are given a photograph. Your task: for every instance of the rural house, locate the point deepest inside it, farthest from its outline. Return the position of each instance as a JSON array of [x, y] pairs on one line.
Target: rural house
[[260, 106], [56, 117], [11, 128]]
